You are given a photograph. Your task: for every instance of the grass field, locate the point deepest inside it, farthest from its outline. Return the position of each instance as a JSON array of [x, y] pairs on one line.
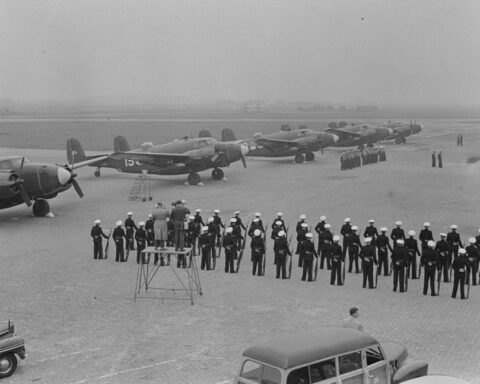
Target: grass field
[[78, 316]]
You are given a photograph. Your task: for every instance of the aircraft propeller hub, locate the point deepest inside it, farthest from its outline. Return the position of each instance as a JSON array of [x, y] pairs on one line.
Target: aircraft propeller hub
[[390, 131], [63, 175], [335, 138], [244, 149]]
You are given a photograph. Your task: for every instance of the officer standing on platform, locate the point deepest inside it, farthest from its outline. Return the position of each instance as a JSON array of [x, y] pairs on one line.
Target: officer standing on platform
[[336, 256], [118, 235], [443, 249], [454, 242], [354, 245], [178, 215], [205, 244], [371, 231], [141, 238], [230, 245], [397, 233], [429, 261], [257, 247], [426, 235], [325, 241], [368, 257], [149, 225], [459, 267], [383, 246], [412, 247], [281, 250], [160, 226], [399, 260], [130, 227], [473, 259], [97, 234], [307, 253]]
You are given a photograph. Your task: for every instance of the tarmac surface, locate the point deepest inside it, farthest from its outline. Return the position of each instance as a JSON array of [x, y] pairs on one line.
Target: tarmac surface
[[81, 324]]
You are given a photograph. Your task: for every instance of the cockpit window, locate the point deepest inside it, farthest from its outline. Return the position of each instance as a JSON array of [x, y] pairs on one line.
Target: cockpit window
[[12, 163]]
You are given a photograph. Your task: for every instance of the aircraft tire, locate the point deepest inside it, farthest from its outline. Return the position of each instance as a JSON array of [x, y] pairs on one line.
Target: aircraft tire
[[8, 365], [217, 174], [41, 207], [97, 173], [299, 158], [193, 178], [310, 156]]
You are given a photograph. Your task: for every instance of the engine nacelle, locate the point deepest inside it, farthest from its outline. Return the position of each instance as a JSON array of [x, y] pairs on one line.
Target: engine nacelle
[[146, 146]]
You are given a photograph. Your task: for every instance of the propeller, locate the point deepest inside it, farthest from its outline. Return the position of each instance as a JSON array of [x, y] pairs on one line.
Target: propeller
[[18, 184], [72, 180]]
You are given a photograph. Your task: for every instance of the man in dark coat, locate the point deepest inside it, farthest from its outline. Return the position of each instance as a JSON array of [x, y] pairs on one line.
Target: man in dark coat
[[178, 216], [459, 267], [383, 246], [412, 247], [257, 247], [336, 257], [307, 253], [399, 260], [429, 261], [97, 235], [230, 245], [141, 238], [118, 235], [281, 250], [369, 258]]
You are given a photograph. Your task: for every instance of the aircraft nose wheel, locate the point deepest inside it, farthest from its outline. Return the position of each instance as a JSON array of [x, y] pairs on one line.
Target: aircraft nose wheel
[[97, 173], [310, 156], [217, 174], [299, 158], [41, 207], [193, 178]]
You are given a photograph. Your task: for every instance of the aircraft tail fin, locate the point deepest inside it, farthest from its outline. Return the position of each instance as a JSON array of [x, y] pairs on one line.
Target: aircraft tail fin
[[75, 152], [120, 144], [228, 135], [204, 133]]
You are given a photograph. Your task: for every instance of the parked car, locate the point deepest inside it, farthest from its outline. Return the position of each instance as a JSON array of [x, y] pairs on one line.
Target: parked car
[[328, 355], [11, 348]]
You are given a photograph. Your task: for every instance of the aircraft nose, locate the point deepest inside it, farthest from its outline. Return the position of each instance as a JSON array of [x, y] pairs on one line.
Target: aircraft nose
[[335, 138], [390, 131], [63, 175], [244, 149]]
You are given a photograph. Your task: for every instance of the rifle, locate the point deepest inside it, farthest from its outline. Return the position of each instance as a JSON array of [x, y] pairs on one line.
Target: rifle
[[241, 250], [265, 254], [291, 258], [439, 275], [420, 269], [343, 272], [468, 285], [376, 275], [316, 269], [391, 267], [407, 272], [107, 245], [212, 251]]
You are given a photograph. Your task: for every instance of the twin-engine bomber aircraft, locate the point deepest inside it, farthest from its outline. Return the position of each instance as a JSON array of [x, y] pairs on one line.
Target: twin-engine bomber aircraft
[[22, 181], [300, 143], [401, 130], [358, 135], [187, 156]]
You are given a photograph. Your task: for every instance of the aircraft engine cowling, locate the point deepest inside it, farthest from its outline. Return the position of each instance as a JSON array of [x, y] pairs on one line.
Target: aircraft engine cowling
[[228, 153], [202, 153], [8, 180], [310, 143]]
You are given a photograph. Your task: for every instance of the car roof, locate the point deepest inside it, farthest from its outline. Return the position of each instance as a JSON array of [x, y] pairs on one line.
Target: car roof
[[305, 347]]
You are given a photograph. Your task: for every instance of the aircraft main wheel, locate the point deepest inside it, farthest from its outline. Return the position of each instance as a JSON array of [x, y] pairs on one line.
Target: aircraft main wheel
[[310, 156], [299, 158], [8, 365], [97, 173], [41, 207], [400, 140], [217, 174], [193, 178]]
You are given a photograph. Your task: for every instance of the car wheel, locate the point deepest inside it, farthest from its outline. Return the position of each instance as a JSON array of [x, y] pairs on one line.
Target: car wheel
[[8, 365]]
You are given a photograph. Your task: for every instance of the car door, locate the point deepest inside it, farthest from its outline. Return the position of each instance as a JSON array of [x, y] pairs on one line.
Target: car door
[[350, 368], [377, 366]]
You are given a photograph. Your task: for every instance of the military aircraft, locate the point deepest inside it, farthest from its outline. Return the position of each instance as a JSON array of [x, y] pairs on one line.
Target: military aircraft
[[22, 181], [300, 143], [401, 130], [187, 156], [357, 134]]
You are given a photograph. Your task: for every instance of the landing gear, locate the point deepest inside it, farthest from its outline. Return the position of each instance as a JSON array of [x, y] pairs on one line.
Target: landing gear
[[193, 178], [217, 174], [299, 158], [310, 156], [400, 140], [8, 365], [41, 207], [97, 172]]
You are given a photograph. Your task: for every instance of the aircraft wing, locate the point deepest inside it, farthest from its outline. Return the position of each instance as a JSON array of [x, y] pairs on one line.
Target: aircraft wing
[[90, 161], [342, 132], [277, 141], [152, 158]]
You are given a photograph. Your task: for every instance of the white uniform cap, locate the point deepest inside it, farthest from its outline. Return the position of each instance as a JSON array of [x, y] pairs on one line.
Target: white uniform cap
[[400, 242], [257, 214], [462, 251], [216, 211], [229, 230], [256, 220], [354, 228], [129, 213], [119, 223], [191, 217], [411, 233], [141, 224], [347, 220], [336, 238], [210, 219], [198, 210], [443, 234], [431, 243], [327, 226], [233, 220], [368, 240], [278, 222], [323, 218], [426, 224], [454, 226], [304, 225], [472, 240], [383, 229], [371, 221], [280, 214], [98, 221], [184, 202], [309, 235], [257, 232], [303, 217], [205, 229], [398, 223], [236, 212], [150, 216], [281, 233]]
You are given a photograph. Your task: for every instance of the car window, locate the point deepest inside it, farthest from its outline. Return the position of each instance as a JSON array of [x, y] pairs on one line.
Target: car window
[[323, 370], [350, 362], [374, 355], [298, 376], [271, 375], [251, 371]]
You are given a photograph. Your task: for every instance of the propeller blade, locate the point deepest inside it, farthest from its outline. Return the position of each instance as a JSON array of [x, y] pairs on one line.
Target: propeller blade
[[24, 194], [244, 162], [20, 172], [77, 187]]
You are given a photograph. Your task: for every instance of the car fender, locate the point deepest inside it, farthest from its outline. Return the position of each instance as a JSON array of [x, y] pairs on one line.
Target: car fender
[[410, 369], [13, 344]]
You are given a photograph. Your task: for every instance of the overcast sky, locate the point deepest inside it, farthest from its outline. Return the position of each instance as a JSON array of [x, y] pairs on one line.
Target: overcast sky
[[354, 51]]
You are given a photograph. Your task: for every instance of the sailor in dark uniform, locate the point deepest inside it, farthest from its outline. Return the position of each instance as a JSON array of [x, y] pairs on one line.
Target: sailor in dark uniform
[[118, 235], [429, 261], [130, 229], [97, 235]]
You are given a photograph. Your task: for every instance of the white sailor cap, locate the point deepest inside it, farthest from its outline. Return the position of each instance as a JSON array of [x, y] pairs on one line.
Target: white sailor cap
[[472, 240], [279, 214], [210, 219], [233, 220], [129, 213], [183, 201], [205, 229], [462, 251], [191, 217], [304, 225], [303, 217], [309, 235], [383, 229], [327, 226], [371, 221], [368, 240], [281, 233], [431, 243], [347, 220], [150, 216], [229, 230], [198, 210], [398, 223], [354, 228], [336, 238], [257, 214], [426, 224], [257, 232], [411, 233], [454, 226], [323, 218], [141, 224], [443, 235], [119, 223], [236, 212], [400, 242], [98, 221], [256, 220], [216, 211], [278, 222]]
